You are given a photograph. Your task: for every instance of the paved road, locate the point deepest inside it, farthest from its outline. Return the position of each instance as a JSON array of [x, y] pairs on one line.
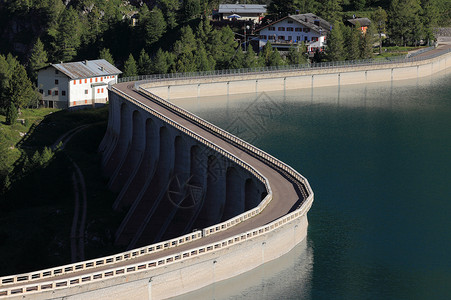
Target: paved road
[[285, 197]]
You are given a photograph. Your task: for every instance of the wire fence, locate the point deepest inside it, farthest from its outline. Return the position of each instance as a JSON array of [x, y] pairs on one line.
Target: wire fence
[[287, 68]]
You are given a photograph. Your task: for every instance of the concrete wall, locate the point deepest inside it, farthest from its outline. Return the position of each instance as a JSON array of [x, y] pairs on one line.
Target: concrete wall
[[183, 277], [300, 79]]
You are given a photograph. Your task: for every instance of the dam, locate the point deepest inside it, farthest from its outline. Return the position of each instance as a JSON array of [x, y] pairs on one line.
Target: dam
[[118, 275]]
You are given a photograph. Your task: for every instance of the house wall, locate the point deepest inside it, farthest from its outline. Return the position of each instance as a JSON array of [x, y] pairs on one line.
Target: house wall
[[295, 36], [68, 92], [85, 91], [47, 83]]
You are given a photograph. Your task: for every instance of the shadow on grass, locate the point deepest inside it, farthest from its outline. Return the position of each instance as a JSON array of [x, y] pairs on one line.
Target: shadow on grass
[[36, 213]]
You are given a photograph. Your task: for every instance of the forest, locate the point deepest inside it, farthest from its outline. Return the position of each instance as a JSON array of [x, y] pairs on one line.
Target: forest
[[178, 36]]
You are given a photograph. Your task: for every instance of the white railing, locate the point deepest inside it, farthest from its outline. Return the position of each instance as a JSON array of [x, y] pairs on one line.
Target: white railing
[[160, 262]]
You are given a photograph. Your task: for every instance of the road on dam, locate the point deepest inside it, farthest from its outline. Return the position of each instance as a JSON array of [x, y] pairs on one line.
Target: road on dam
[[286, 195]]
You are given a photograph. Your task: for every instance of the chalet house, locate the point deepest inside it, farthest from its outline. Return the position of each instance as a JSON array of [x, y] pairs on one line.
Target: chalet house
[[295, 29], [254, 12], [363, 22], [71, 84]]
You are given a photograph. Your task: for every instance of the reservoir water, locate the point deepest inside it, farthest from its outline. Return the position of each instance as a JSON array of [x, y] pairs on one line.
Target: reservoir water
[[378, 158]]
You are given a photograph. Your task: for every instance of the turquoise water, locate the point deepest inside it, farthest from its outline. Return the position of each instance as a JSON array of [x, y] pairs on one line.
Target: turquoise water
[[378, 158]]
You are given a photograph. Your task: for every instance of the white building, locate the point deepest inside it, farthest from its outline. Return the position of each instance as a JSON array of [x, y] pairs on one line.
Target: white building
[[294, 29], [254, 12], [76, 83]]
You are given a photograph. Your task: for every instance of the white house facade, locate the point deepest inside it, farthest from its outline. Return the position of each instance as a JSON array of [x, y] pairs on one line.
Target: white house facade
[[254, 12], [295, 29], [76, 83]]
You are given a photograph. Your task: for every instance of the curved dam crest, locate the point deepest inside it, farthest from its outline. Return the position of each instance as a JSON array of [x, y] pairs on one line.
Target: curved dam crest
[[184, 263]]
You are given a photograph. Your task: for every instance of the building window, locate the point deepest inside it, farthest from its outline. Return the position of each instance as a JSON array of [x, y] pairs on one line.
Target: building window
[[290, 38], [75, 82], [101, 78], [263, 37], [289, 28], [90, 80], [41, 91], [80, 81], [63, 93], [281, 37], [306, 29], [298, 29], [281, 28], [112, 76], [290, 21], [86, 92], [49, 92], [57, 72], [56, 93], [271, 37], [96, 79], [56, 81], [271, 28], [102, 90], [299, 38], [314, 39], [86, 80]]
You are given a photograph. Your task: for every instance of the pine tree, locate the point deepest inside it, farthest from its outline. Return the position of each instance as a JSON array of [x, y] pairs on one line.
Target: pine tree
[[144, 63], [169, 9], [275, 59], [250, 59], [38, 59], [367, 42], [154, 26], [106, 55], [238, 59], [20, 90], [202, 60], [191, 9], [335, 43], [67, 37], [404, 21], [296, 55], [159, 62], [224, 47], [379, 18], [353, 42], [282, 8], [265, 54], [11, 114], [130, 68]]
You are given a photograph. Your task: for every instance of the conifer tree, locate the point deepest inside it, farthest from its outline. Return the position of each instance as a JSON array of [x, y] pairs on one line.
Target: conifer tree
[[106, 55], [38, 59], [335, 43], [11, 113], [353, 42], [265, 54], [130, 68], [250, 59], [379, 18], [67, 38], [238, 59], [144, 63], [154, 26], [296, 55], [20, 91], [202, 60], [159, 63], [275, 59], [367, 42]]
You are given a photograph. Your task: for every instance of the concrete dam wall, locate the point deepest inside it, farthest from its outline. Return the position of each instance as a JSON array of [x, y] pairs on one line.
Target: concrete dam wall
[[171, 89], [168, 180]]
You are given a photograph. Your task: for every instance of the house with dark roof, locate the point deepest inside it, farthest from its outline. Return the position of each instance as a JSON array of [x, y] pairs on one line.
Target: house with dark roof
[[363, 23], [254, 12], [295, 29], [71, 84]]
